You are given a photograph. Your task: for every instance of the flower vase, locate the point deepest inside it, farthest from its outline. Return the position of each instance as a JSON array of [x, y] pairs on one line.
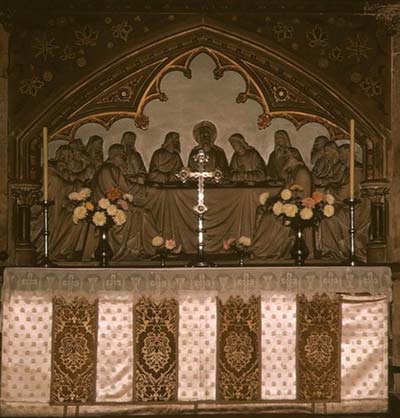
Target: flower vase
[[162, 259], [242, 255], [103, 252], [299, 251]]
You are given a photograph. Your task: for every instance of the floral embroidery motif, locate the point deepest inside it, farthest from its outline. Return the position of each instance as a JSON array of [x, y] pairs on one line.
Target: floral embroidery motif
[[44, 47], [319, 349], [238, 350], [358, 47], [371, 87], [156, 348], [86, 36], [238, 340], [73, 351], [318, 357], [156, 351], [122, 31], [73, 378], [317, 37], [31, 86], [282, 32]]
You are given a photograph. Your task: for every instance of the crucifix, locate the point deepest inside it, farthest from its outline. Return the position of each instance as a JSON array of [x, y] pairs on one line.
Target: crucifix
[[200, 209]]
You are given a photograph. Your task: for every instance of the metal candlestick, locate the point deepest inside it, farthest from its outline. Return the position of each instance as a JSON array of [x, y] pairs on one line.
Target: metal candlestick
[[352, 203], [46, 206]]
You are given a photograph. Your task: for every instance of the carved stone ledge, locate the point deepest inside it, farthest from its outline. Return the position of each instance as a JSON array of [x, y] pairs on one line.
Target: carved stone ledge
[[26, 194], [376, 191]]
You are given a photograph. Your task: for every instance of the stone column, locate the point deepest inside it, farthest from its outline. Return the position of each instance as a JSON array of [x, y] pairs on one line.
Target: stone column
[[3, 140], [25, 195], [389, 16], [377, 193]]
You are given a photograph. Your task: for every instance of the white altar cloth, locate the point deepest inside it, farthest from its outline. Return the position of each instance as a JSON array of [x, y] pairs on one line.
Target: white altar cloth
[[27, 323]]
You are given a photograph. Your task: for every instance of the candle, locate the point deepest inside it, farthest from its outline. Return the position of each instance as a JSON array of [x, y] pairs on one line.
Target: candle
[[352, 158], [45, 164]]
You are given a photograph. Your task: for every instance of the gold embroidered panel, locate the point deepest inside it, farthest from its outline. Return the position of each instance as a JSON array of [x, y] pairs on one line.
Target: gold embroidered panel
[[238, 373], [73, 377], [156, 347], [318, 348]]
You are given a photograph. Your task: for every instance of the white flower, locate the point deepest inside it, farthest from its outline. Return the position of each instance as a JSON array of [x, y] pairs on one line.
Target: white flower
[[289, 210], [157, 241], [75, 220], [128, 197], [80, 212], [329, 210], [277, 208], [74, 196], [104, 203], [329, 199], [245, 241], [112, 210], [99, 218], [263, 198], [306, 213], [85, 193], [286, 194], [170, 244], [120, 217]]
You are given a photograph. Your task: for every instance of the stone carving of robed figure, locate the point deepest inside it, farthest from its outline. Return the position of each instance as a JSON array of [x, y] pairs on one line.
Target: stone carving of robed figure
[[247, 165], [278, 157], [136, 170], [134, 237], [205, 134], [166, 161]]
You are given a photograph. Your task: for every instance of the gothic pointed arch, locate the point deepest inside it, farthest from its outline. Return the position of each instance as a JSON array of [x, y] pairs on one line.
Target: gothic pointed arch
[[281, 87]]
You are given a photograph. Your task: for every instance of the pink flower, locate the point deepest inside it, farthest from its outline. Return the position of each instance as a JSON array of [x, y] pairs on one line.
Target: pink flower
[[170, 244], [308, 202], [318, 197], [228, 243], [123, 204]]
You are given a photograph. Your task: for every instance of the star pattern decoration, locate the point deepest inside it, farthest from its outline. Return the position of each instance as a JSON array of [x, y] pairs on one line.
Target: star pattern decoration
[[358, 47], [44, 47]]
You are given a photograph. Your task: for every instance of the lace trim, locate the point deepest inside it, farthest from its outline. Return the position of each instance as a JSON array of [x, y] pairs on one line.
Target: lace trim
[[225, 282]]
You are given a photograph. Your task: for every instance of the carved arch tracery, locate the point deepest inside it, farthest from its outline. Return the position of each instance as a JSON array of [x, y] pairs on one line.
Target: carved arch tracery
[[280, 88]]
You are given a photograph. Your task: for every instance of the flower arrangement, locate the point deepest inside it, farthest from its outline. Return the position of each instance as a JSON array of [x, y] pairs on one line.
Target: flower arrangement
[[108, 211], [242, 246], [164, 247], [297, 211]]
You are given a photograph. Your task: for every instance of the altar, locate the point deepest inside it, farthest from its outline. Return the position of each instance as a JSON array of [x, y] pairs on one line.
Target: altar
[[89, 341]]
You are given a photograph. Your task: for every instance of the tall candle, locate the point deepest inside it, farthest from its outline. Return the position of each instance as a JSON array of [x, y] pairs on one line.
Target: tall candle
[[352, 158], [45, 164]]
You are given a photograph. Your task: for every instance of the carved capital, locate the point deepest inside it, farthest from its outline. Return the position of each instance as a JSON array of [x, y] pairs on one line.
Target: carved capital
[[376, 191], [387, 14], [26, 194]]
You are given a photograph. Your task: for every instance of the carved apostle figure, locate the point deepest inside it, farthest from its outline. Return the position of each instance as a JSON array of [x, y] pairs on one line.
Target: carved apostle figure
[[80, 161], [136, 172], [166, 161], [247, 165], [328, 170], [205, 134], [318, 148], [278, 156], [133, 238], [95, 152]]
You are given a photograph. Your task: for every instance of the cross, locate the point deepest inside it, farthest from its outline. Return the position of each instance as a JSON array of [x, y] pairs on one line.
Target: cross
[[200, 209]]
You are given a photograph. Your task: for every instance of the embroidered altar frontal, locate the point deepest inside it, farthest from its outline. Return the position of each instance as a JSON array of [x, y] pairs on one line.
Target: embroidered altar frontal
[[90, 341]]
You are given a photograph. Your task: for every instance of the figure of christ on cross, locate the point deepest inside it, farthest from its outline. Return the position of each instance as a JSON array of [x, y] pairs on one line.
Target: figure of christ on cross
[[200, 209]]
